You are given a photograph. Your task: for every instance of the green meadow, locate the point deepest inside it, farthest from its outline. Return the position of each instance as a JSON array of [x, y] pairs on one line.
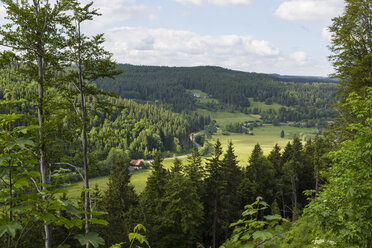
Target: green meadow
[[223, 118], [267, 136], [138, 180]]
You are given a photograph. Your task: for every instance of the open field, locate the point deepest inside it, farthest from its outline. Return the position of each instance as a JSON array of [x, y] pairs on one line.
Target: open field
[[267, 136], [223, 118], [138, 180]]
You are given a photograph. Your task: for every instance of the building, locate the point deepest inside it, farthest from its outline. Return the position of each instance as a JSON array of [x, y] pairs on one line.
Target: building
[[136, 164]]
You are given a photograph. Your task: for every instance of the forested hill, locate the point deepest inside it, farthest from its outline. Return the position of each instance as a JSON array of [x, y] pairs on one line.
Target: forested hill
[[232, 89], [125, 127]]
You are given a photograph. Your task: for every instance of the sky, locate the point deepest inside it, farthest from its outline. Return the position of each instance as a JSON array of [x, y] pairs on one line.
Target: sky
[[267, 36]]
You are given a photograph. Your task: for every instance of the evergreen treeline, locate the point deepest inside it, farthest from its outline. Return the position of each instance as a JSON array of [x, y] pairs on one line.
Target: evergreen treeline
[[194, 203], [168, 85]]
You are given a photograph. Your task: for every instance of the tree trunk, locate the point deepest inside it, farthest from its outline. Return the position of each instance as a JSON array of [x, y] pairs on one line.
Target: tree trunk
[[87, 207], [40, 115], [316, 179], [214, 227], [294, 192]]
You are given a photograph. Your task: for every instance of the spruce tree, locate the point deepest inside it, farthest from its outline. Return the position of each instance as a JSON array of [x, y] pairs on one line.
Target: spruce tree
[[182, 214], [261, 172], [152, 200], [212, 198], [119, 199], [232, 177], [194, 169]]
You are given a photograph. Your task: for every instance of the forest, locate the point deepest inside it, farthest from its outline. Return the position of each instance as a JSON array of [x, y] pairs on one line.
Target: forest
[[309, 100], [57, 126]]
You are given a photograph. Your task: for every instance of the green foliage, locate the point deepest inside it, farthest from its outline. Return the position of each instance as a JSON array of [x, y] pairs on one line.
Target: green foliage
[[253, 229], [351, 47], [118, 201], [194, 169], [90, 238], [344, 206], [135, 236]]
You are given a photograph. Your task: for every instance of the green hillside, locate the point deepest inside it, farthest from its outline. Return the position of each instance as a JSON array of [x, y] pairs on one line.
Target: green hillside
[[226, 90]]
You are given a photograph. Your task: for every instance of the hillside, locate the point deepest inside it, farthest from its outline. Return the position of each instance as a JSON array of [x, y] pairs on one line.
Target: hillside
[[117, 126], [232, 91]]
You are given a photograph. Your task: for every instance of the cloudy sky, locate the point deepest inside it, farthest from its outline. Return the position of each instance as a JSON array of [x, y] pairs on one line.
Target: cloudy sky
[[270, 36]]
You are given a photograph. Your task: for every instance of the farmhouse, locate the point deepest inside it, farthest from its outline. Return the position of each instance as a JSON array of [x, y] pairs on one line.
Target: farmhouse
[[136, 164]]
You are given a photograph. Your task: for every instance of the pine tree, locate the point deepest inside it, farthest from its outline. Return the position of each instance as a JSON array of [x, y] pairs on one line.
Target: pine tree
[[213, 189], [232, 177], [177, 166], [118, 201], [275, 157], [152, 200], [194, 169], [182, 214], [261, 172], [282, 134]]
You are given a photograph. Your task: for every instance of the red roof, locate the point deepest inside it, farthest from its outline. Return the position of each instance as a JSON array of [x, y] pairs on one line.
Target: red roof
[[138, 162]]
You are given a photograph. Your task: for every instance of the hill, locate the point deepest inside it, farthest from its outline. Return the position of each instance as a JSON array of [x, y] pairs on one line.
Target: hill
[[231, 90]]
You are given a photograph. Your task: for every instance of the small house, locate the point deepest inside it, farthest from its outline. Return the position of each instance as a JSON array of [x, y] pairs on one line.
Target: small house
[[136, 164]]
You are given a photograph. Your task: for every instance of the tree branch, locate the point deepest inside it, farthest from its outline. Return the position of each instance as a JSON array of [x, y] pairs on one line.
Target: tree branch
[[73, 166]]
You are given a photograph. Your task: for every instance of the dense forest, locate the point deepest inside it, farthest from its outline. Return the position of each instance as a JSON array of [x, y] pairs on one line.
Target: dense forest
[[169, 85], [118, 126], [55, 124]]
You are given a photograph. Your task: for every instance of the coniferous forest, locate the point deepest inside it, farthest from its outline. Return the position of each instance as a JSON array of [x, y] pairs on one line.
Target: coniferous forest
[[59, 125], [308, 100]]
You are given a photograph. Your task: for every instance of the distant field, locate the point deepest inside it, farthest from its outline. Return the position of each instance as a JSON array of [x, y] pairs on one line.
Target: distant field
[[267, 136], [138, 180], [263, 106], [224, 118]]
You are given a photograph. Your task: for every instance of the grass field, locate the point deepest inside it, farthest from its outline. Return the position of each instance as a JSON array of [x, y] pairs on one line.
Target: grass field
[[267, 136], [223, 118], [138, 180]]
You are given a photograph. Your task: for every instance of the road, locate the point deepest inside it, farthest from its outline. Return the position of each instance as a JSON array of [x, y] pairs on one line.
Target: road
[[191, 136]]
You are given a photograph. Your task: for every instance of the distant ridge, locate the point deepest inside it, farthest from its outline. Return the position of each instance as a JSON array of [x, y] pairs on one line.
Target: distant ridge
[[305, 79], [283, 78]]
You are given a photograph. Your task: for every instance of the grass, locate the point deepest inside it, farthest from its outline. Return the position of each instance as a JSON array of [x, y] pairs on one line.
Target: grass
[[138, 180], [223, 118], [267, 136]]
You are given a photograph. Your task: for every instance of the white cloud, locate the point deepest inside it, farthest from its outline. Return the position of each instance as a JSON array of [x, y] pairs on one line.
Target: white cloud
[[230, 2], [300, 57], [116, 12], [138, 45], [196, 2], [310, 10], [326, 34]]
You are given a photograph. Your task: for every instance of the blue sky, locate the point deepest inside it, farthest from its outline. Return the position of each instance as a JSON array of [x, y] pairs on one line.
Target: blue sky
[[269, 36]]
